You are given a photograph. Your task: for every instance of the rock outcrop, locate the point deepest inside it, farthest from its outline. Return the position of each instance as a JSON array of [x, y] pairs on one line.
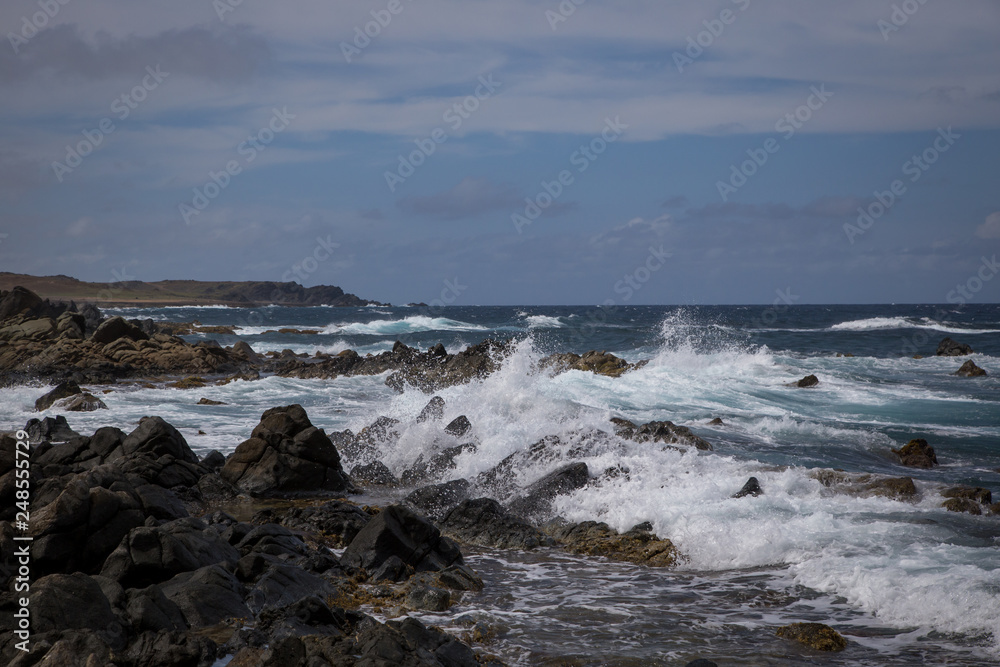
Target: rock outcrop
[[950, 348]]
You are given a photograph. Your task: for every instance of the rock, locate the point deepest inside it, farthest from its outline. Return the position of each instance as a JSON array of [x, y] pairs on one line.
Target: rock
[[808, 381], [207, 596], [336, 521], [427, 598], [70, 601], [82, 403], [814, 635], [148, 609], [717, 422], [949, 348], [163, 648], [433, 411], [484, 522], [538, 496], [917, 454], [638, 545], [436, 500], [977, 494], [243, 352], [701, 662], [398, 537], [213, 460], [601, 363], [751, 488], [963, 505], [22, 301], [458, 426], [115, 328], [286, 453], [894, 488], [970, 370], [208, 401], [375, 473], [62, 390], [191, 382], [662, 431], [50, 429], [156, 437], [282, 585]]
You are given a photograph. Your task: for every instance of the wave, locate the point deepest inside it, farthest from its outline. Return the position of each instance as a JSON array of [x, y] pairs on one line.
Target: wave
[[544, 322], [412, 324], [877, 323]]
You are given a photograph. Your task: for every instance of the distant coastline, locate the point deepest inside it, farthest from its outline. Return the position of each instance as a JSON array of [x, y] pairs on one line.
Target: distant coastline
[[134, 293]]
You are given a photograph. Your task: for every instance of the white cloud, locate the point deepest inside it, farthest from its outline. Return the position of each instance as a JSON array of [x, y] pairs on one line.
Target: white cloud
[[991, 228]]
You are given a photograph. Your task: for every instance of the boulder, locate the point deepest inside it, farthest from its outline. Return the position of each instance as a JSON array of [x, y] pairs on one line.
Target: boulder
[[50, 429], [975, 493], [286, 454], [638, 545], [814, 635], [537, 497], [484, 522], [437, 500], [115, 328], [69, 601], [865, 485], [84, 402], [808, 381], [433, 411], [336, 522], [156, 437], [207, 596], [375, 473], [458, 426], [62, 390], [148, 609], [970, 370], [917, 454], [173, 649], [601, 363], [962, 505], [751, 488], [397, 541], [949, 348], [661, 431]]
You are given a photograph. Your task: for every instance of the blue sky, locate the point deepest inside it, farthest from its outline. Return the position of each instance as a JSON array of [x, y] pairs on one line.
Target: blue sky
[[261, 141]]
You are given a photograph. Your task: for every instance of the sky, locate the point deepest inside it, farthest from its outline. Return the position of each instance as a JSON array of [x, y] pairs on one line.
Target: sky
[[509, 153]]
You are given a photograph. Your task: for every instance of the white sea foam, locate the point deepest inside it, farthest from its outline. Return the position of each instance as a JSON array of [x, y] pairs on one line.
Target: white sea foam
[[544, 322], [877, 323]]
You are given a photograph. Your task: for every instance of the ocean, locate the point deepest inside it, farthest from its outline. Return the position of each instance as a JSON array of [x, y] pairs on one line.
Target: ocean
[[908, 583]]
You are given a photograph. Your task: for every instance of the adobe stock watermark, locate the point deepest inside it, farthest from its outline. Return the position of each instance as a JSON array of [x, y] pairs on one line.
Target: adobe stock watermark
[[581, 158], [787, 125], [36, 23], [565, 9], [122, 107], [363, 35], [714, 28], [454, 116], [899, 17], [249, 150], [778, 307], [310, 263], [223, 7], [915, 168], [22, 552], [631, 282]]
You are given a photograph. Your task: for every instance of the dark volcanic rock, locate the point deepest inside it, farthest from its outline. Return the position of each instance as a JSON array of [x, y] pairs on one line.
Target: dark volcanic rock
[[69, 601], [436, 500], [950, 348], [62, 390], [808, 381], [286, 453], [970, 370], [156, 437], [207, 596], [663, 431], [917, 454], [433, 411], [50, 429], [751, 488], [537, 497], [336, 520], [814, 635], [396, 541], [458, 426], [82, 403], [376, 473], [484, 522]]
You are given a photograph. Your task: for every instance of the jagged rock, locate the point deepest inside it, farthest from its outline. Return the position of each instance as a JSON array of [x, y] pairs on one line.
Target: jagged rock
[[156, 649], [84, 402], [70, 601], [484, 522], [894, 488], [638, 545], [808, 381], [963, 505], [286, 453], [814, 635], [336, 520], [436, 500], [949, 348], [662, 431], [977, 494], [917, 454], [601, 363], [156, 437], [213, 460], [458, 426], [243, 352], [115, 328], [970, 370], [376, 473], [751, 488], [50, 429], [538, 496], [397, 540], [433, 411], [717, 422], [148, 609], [62, 390]]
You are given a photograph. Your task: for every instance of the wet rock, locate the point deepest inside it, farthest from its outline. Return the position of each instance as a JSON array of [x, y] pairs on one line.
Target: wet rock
[[398, 537], [433, 411], [374, 473], [148, 609], [371, 438], [436, 500], [484, 522], [207, 596], [336, 521], [286, 453], [963, 505], [173, 649], [975, 493], [214, 460], [427, 598], [950, 348], [751, 488], [970, 370], [70, 601], [601, 363], [917, 454], [662, 431], [430, 372], [717, 422], [115, 328], [243, 352], [537, 497], [282, 585], [82, 403], [814, 635], [864, 486], [808, 381], [50, 429], [701, 662], [156, 437], [458, 426], [638, 545], [61, 391], [208, 401]]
